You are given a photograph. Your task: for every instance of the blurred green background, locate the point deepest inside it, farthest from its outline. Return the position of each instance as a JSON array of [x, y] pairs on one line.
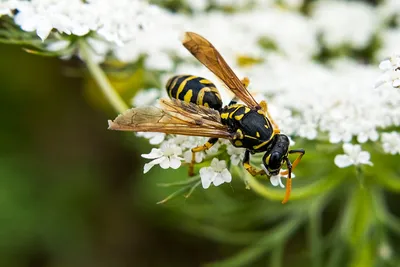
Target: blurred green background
[[71, 192]]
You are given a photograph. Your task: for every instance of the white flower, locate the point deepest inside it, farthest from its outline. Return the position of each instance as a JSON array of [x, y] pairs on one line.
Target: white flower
[[354, 156], [276, 179], [168, 156], [391, 143], [236, 154], [217, 174]]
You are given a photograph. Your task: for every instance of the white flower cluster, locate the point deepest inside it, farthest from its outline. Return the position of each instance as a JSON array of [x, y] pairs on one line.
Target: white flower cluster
[[391, 72], [335, 101], [345, 23]]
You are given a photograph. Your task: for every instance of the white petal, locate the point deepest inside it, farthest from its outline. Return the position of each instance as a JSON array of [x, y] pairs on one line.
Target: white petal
[[364, 157], [362, 137], [396, 83], [385, 65], [221, 165], [275, 180], [165, 164], [207, 175], [155, 153], [147, 167], [281, 184], [235, 159], [175, 162], [334, 137], [214, 163], [343, 161], [157, 139], [218, 179], [226, 176], [44, 29]]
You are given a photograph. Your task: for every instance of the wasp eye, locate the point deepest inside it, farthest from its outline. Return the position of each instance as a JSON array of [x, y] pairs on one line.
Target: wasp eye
[[275, 161]]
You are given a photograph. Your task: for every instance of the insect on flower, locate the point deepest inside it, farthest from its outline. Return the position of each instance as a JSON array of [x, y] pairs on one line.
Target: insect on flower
[[195, 109]]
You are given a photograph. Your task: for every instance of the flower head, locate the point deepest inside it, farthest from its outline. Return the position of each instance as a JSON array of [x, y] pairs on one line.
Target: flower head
[[236, 153], [217, 174], [168, 156], [354, 156], [391, 143], [391, 72]]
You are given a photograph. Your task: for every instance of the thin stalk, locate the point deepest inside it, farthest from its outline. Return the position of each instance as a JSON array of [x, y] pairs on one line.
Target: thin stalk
[[298, 193], [101, 79], [277, 255], [270, 239], [314, 231]]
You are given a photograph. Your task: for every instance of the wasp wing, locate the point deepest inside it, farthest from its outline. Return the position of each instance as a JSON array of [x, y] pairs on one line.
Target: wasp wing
[[208, 55], [174, 117]]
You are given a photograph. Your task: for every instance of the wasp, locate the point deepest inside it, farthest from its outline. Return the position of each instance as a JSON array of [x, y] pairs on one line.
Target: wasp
[[195, 109]]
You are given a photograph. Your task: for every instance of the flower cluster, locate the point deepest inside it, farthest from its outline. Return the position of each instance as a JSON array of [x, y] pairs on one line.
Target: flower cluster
[[296, 61]]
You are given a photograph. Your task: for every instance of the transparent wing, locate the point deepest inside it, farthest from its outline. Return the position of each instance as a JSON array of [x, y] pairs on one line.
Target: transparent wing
[[208, 55], [174, 117]]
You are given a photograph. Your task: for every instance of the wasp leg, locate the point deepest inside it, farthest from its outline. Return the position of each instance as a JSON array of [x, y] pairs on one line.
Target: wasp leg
[[264, 108], [204, 147], [297, 160], [290, 168], [246, 164], [288, 181]]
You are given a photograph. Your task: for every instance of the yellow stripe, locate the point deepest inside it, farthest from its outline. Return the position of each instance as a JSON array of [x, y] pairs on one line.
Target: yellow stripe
[[224, 115], [261, 145], [205, 81], [231, 115], [172, 86], [200, 97], [239, 117], [238, 143], [183, 84], [264, 143], [188, 96]]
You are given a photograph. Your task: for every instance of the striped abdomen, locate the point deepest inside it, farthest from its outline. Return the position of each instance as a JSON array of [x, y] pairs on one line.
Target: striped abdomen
[[194, 89]]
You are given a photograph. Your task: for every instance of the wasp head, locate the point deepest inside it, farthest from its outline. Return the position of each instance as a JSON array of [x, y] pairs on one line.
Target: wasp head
[[276, 155]]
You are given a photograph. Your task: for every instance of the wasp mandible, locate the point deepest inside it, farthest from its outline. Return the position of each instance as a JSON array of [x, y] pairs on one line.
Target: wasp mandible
[[196, 109]]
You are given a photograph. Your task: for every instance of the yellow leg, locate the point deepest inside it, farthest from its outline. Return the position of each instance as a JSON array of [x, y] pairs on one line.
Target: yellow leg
[[204, 147], [246, 164]]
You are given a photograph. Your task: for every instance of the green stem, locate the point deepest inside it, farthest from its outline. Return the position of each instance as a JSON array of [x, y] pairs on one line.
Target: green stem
[[100, 77], [277, 255], [314, 230], [270, 239], [298, 193]]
